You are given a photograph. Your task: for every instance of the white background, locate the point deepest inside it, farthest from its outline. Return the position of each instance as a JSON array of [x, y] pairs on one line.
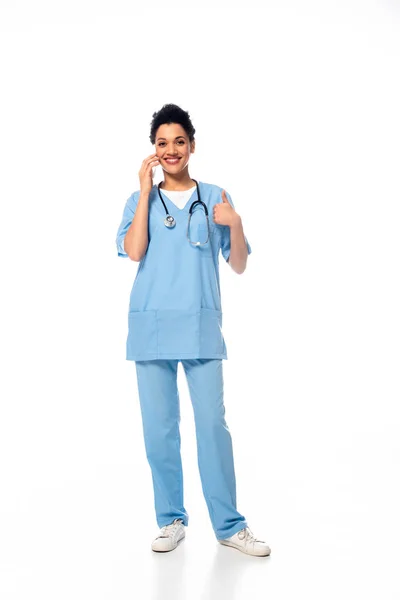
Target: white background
[[296, 110]]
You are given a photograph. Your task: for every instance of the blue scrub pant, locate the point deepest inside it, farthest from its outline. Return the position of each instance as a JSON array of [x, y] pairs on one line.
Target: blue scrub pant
[[159, 402]]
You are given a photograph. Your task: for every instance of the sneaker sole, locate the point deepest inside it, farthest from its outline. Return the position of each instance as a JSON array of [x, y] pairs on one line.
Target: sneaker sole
[[242, 550], [170, 549]]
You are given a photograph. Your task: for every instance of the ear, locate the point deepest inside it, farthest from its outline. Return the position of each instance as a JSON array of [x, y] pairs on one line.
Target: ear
[[192, 146]]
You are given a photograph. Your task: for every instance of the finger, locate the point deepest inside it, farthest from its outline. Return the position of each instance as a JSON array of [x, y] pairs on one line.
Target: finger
[[224, 198], [152, 163], [146, 167], [150, 157]]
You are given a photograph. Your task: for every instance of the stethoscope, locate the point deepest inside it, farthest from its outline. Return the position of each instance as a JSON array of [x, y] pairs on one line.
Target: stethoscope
[[170, 222]]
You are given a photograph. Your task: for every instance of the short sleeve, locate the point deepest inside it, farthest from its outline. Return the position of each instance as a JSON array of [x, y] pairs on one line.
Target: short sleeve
[[226, 236], [127, 218]]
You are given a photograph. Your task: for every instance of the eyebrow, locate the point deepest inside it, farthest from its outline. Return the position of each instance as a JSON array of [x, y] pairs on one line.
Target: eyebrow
[[177, 137]]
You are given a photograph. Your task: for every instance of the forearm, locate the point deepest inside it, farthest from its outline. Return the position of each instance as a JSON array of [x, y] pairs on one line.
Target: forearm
[[238, 253], [136, 238]]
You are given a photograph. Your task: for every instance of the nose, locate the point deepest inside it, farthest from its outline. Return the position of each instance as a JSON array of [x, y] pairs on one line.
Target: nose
[[170, 150]]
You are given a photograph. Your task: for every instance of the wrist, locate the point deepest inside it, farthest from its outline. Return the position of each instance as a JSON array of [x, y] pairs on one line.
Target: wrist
[[144, 194], [236, 222]]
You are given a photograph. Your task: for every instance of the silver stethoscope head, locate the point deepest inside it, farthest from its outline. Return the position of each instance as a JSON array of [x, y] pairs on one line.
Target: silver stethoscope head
[[169, 221]]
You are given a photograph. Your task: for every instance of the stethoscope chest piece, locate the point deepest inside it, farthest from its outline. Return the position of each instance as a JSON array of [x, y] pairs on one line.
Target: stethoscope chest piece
[[169, 221]]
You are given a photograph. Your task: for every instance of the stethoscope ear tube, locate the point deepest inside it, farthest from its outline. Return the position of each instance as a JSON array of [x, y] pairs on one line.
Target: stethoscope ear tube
[[198, 202]]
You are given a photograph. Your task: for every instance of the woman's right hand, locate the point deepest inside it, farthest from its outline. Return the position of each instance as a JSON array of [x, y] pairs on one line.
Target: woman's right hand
[[146, 172]]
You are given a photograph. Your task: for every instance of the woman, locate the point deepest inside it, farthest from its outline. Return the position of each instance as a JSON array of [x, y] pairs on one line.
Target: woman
[[176, 230]]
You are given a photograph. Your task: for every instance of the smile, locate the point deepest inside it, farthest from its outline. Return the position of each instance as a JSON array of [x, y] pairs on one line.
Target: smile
[[172, 161]]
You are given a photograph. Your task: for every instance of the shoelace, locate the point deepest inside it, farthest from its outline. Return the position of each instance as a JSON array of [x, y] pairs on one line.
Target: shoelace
[[247, 533], [170, 529]]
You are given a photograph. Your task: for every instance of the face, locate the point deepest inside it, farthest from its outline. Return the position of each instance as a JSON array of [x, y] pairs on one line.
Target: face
[[172, 142]]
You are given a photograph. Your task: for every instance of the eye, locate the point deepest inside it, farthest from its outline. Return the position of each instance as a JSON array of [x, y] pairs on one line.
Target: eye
[[181, 141], [161, 143]]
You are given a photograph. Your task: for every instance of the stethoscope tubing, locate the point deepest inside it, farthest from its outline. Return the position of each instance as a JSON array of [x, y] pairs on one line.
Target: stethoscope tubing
[[170, 222]]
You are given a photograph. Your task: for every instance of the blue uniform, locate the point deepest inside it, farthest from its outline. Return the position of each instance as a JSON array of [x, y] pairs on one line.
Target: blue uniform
[[175, 304], [175, 316]]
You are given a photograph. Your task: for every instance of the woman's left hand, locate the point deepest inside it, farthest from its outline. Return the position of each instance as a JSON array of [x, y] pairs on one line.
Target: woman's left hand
[[224, 213]]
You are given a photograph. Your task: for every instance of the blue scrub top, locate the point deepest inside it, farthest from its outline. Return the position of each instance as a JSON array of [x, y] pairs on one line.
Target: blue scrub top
[[175, 304]]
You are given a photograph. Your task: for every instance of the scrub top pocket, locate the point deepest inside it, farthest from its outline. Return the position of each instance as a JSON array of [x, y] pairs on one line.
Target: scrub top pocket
[[201, 231], [142, 334]]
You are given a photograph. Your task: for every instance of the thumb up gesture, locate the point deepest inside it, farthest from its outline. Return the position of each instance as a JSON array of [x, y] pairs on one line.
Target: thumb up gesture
[[224, 213]]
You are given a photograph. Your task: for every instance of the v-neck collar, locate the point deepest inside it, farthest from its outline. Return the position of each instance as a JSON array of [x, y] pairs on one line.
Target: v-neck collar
[[171, 207]]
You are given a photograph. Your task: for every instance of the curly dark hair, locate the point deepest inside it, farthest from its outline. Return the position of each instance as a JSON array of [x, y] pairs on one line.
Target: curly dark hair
[[171, 113]]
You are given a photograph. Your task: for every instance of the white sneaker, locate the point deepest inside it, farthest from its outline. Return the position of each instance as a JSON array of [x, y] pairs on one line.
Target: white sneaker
[[245, 541], [169, 536]]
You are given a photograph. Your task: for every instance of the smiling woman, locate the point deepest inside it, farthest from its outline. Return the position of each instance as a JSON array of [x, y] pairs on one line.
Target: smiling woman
[[174, 145], [175, 315]]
